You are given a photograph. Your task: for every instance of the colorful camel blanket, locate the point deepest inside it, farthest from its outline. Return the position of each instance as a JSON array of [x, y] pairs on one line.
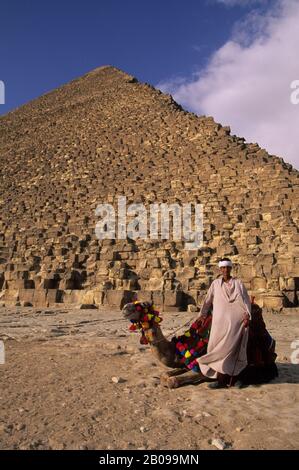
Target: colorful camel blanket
[[193, 343]]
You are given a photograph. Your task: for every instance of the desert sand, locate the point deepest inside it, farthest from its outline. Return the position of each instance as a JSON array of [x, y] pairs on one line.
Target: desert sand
[[78, 379]]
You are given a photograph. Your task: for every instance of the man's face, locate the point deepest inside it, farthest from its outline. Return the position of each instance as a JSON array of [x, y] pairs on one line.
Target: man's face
[[225, 271]]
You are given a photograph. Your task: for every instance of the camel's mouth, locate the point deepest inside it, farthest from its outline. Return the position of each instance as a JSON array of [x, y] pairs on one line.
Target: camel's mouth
[[136, 310], [130, 313]]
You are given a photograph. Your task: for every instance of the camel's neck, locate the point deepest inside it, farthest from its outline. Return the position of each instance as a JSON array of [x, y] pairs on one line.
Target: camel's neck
[[155, 336], [163, 349]]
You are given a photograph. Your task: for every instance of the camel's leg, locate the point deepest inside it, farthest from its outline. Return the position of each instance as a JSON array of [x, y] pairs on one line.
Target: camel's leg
[[175, 372], [164, 379], [188, 378]]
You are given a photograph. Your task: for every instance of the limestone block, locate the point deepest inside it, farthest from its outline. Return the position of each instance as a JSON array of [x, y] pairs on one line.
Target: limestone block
[[16, 284], [156, 273], [144, 296], [154, 263], [291, 283], [198, 284], [168, 284], [88, 297], [10, 276], [118, 298], [129, 284], [26, 295], [258, 283], [246, 272], [155, 284], [72, 297], [192, 308], [226, 250], [158, 298], [172, 298], [145, 273], [53, 296], [65, 284], [40, 298], [189, 257], [273, 285], [274, 301], [99, 297], [186, 273]]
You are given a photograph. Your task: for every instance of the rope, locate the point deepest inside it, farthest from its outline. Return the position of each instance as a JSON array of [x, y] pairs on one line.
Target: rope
[[189, 322]]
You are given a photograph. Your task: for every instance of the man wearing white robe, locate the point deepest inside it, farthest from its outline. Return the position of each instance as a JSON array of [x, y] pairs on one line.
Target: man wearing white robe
[[227, 348]]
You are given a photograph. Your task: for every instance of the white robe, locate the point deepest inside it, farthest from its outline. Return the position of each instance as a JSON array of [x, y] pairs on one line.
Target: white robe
[[227, 347]]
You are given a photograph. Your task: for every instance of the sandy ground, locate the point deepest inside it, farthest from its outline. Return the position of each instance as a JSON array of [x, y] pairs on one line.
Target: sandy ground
[[56, 389]]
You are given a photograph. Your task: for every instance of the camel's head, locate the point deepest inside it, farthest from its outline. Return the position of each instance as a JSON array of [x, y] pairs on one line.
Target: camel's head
[[135, 310], [144, 317]]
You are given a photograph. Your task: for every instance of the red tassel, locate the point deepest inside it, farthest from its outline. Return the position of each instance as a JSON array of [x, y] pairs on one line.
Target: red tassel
[[143, 339]]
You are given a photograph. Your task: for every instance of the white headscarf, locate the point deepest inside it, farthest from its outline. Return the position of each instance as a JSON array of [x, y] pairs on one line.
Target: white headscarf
[[225, 263]]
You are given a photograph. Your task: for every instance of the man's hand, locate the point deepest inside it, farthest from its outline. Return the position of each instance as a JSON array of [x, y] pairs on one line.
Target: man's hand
[[246, 321], [201, 319]]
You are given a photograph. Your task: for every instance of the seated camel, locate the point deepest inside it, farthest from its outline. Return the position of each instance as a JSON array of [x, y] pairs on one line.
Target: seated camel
[[180, 353]]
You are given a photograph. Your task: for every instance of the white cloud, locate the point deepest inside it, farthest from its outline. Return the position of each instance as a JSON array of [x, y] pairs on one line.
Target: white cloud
[[247, 82], [242, 3]]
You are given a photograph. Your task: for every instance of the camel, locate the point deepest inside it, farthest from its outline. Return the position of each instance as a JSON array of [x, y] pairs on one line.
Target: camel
[[172, 354], [164, 350]]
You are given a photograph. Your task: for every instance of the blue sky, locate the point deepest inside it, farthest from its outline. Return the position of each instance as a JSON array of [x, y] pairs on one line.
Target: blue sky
[[234, 60], [44, 44]]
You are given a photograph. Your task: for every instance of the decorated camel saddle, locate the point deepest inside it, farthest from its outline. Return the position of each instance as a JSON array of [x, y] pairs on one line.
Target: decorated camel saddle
[[180, 353]]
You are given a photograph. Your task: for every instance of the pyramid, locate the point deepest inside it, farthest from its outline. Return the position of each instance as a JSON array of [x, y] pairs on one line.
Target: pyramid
[[106, 135]]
